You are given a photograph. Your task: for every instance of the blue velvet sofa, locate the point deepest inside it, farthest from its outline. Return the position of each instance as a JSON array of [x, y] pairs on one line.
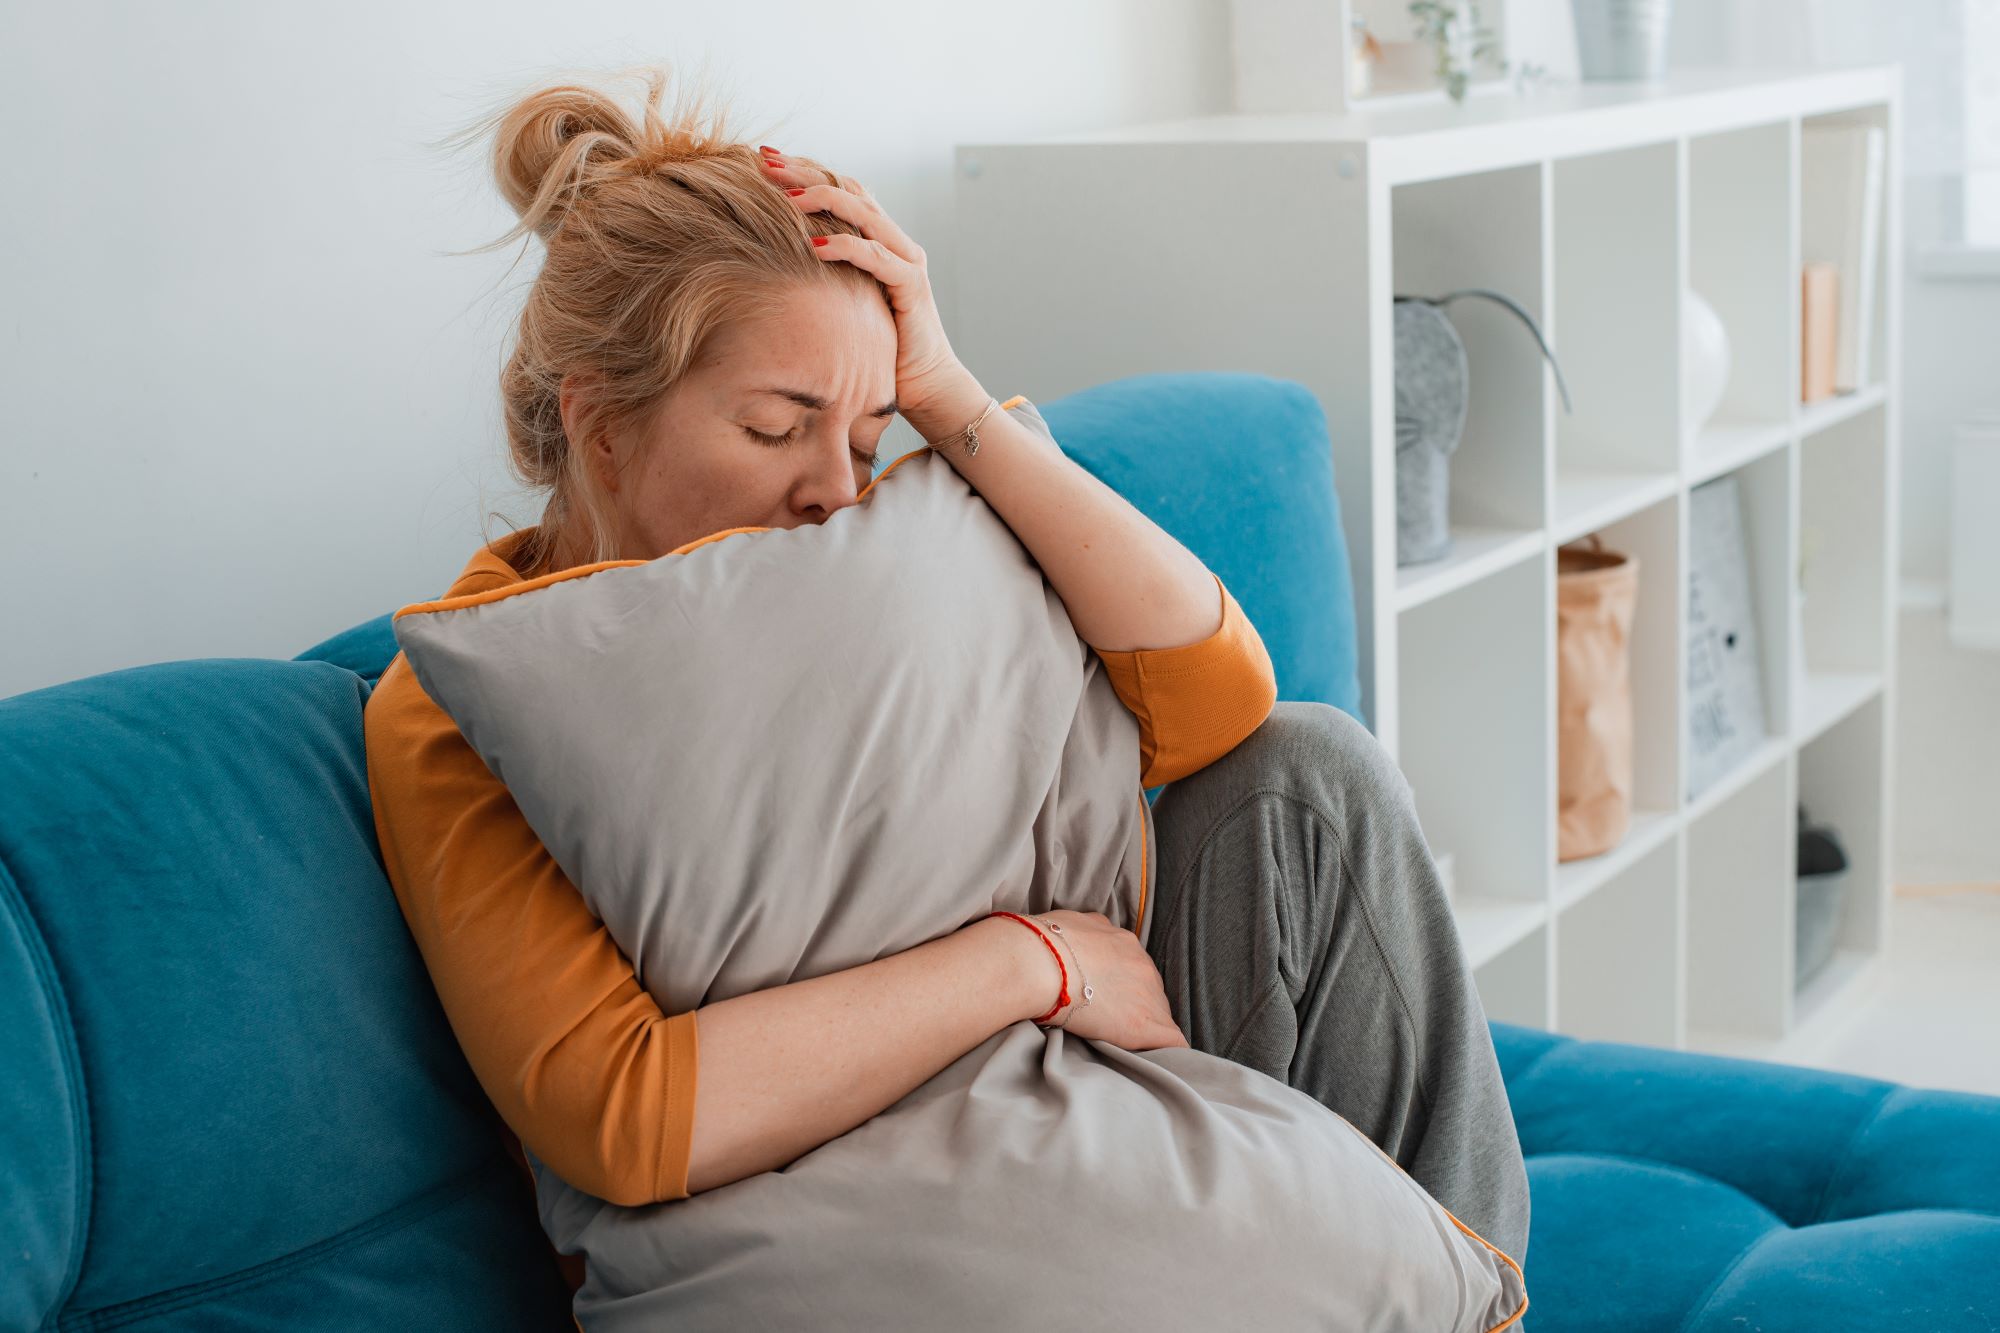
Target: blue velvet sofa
[[229, 1100]]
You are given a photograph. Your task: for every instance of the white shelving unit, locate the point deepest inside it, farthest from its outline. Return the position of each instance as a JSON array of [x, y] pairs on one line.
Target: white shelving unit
[[1274, 244]]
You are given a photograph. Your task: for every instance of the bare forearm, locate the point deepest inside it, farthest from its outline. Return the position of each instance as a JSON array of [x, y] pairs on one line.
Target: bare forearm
[[1126, 583], [786, 1069]]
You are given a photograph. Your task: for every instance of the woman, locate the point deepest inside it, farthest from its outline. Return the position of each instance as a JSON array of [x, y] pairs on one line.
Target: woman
[[718, 338]]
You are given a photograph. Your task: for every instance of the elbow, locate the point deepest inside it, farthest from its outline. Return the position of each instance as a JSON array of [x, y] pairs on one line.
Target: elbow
[[636, 1198], [602, 1174], [629, 1141], [626, 1188], [1259, 689], [614, 1179], [1263, 699], [1240, 709]]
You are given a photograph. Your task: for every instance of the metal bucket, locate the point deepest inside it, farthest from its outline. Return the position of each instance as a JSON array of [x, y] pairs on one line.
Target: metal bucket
[[1817, 924], [1622, 39]]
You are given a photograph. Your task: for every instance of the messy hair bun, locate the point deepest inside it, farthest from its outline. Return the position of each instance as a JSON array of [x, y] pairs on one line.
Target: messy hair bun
[[551, 142], [556, 142], [660, 226]]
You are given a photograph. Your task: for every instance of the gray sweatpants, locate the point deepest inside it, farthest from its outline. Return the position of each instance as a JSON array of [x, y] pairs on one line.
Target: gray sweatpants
[[1302, 929]]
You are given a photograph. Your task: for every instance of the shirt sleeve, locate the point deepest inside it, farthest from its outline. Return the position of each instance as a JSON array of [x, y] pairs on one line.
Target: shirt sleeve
[[574, 1053], [1195, 702]]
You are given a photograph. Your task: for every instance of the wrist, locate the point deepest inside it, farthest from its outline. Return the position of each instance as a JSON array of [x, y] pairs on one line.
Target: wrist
[[946, 409], [1033, 975]]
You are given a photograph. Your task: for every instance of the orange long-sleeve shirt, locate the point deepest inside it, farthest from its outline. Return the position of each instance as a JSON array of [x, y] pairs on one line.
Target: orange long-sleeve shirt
[[575, 1055]]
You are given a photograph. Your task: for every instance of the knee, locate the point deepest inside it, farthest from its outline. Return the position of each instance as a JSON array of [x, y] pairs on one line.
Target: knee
[[1313, 749]]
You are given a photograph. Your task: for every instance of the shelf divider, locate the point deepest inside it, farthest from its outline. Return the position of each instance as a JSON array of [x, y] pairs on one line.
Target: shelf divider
[[1832, 411], [1475, 553], [1587, 498], [1489, 925], [1578, 879], [1749, 770], [1828, 696], [1724, 446]]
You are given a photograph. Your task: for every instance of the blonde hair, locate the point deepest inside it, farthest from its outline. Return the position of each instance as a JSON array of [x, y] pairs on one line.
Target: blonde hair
[[658, 229]]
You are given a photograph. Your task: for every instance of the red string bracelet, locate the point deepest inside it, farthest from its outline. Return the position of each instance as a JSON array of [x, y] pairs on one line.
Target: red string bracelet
[[1062, 997]]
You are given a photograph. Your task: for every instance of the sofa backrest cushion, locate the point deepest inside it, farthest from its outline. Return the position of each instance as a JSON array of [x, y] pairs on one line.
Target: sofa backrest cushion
[[244, 1102], [1238, 468], [365, 649]]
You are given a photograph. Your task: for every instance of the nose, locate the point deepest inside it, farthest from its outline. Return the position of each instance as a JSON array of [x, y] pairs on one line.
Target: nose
[[828, 484]]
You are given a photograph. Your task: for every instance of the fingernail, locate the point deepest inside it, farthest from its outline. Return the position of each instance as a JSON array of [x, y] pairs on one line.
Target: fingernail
[[765, 148], [795, 192], [819, 240]]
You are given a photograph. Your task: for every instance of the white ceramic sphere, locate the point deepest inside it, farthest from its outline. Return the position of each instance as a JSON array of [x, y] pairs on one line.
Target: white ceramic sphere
[[1706, 349]]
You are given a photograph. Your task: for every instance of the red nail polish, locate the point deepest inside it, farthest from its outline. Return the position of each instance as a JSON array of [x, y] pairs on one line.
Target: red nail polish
[[765, 148], [795, 192], [819, 240]]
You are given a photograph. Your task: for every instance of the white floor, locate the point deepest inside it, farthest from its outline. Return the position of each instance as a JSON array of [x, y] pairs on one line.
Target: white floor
[[1929, 1016]]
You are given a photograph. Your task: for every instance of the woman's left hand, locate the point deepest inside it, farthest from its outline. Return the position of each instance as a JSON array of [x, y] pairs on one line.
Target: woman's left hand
[[932, 386]]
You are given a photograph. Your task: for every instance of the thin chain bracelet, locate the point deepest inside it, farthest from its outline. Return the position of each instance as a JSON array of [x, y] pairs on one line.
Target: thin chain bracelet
[[1076, 958], [967, 437]]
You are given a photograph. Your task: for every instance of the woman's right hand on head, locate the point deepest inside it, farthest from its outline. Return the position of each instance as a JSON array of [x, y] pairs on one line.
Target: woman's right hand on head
[[1128, 1006]]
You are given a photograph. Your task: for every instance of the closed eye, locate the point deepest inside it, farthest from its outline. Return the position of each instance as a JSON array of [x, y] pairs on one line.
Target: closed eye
[[873, 460]]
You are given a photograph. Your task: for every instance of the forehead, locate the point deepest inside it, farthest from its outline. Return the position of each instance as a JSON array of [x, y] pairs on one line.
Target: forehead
[[836, 340]]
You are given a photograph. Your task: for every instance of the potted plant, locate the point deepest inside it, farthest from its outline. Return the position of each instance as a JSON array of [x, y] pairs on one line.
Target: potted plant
[[1457, 35]]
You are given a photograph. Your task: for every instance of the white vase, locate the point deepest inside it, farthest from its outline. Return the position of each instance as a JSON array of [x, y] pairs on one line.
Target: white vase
[[1705, 348]]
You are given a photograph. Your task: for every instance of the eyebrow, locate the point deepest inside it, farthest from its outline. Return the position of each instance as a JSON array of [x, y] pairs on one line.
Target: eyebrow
[[819, 404]]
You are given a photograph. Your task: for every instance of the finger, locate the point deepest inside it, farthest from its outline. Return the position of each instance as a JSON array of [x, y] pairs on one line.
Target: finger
[[894, 271], [844, 182], [876, 223], [779, 170], [854, 186], [775, 160], [784, 172], [861, 210]]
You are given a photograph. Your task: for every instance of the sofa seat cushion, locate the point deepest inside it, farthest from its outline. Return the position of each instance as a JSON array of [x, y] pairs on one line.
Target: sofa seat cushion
[[1684, 1191]]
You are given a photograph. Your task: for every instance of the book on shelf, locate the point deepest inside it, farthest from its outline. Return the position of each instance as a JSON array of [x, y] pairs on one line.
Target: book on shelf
[[1819, 304], [1840, 222]]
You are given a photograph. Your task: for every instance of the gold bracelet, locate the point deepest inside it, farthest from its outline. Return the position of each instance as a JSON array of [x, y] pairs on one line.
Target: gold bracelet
[[969, 437]]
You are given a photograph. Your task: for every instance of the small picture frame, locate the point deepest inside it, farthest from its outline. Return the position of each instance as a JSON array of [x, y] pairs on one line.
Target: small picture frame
[[1725, 681]]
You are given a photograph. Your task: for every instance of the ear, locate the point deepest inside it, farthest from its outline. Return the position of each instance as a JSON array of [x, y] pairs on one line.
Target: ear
[[578, 403]]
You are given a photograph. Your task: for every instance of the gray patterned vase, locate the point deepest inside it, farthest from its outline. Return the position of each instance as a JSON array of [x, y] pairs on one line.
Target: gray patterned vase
[[1433, 387], [1431, 379]]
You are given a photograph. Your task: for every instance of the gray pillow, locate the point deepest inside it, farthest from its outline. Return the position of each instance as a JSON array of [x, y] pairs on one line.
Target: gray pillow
[[786, 752]]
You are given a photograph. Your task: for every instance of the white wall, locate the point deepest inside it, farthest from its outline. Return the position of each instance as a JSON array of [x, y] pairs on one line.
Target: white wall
[[247, 401]]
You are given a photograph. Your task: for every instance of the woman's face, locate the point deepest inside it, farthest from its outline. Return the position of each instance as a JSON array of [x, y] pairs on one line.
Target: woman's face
[[817, 377]]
